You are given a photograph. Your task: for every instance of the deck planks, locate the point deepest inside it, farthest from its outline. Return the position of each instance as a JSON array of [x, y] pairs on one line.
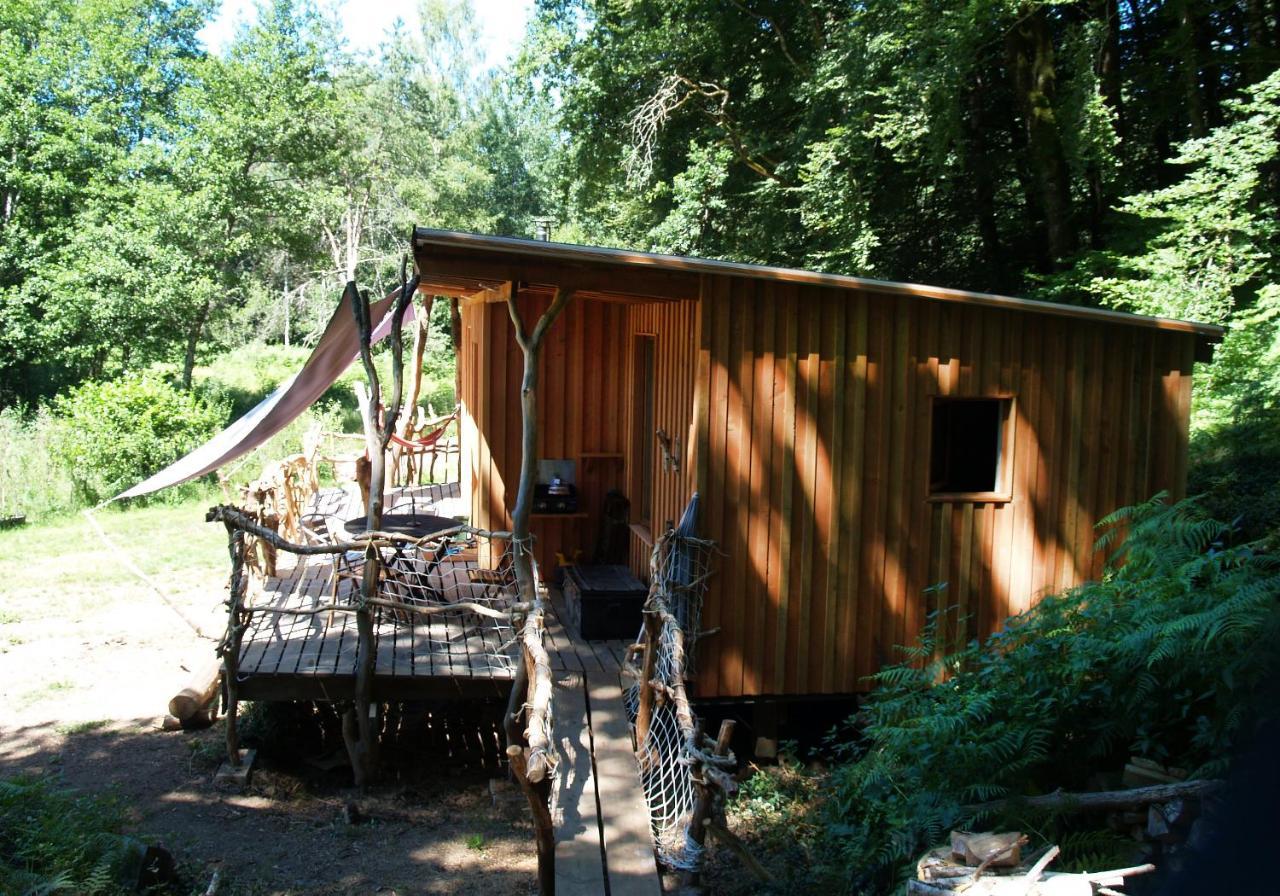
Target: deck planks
[[603, 834]]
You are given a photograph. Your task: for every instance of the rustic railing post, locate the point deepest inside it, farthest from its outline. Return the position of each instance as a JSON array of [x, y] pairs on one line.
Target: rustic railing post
[[230, 649], [360, 726], [644, 711], [702, 809], [531, 765]]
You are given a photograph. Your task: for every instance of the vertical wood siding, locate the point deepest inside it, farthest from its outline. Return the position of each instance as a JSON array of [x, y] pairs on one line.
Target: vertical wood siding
[[580, 414], [804, 418], [816, 433], [585, 403], [673, 326]]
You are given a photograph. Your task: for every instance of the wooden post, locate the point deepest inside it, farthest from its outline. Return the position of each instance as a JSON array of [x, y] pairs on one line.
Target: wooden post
[[530, 767], [236, 622], [539, 798], [360, 725], [644, 712], [702, 809], [531, 347]]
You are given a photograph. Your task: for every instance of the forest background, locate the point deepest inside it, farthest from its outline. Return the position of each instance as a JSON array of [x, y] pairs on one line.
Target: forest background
[[176, 224]]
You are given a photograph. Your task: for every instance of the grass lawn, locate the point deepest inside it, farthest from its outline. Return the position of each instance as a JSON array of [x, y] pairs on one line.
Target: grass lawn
[[65, 555]]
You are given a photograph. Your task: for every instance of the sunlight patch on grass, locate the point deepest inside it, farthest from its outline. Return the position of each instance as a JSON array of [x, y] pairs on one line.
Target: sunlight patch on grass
[[48, 691], [72, 728], [67, 553]]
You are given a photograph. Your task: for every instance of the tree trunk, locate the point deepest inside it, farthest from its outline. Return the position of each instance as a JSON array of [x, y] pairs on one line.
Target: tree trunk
[[1029, 48], [531, 346], [1109, 75], [979, 164], [193, 341], [1188, 51], [361, 724]]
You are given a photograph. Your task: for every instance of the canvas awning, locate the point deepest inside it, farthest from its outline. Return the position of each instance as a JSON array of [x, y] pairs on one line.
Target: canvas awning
[[338, 348]]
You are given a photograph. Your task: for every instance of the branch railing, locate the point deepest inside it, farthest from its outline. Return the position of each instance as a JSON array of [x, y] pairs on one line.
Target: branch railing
[[397, 593], [530, 750], [686, 775]]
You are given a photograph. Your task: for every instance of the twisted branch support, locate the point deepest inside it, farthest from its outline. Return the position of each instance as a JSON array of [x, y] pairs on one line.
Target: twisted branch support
[[362, 723], [237, 622], [531, 766]]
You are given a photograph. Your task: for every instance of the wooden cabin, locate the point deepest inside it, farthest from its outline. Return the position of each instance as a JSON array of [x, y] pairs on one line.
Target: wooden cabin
[[855, 443]]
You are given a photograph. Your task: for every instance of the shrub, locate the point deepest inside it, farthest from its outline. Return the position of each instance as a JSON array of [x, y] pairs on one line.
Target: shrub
[[1166, 656], [33, 481], [58, 841], [119, 432]]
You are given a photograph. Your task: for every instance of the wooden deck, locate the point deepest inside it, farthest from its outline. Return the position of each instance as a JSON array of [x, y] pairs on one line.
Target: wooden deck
[[602, 825], [313, 657]]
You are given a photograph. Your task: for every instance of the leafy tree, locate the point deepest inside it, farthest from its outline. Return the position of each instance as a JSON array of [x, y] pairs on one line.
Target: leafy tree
[[87, 89]]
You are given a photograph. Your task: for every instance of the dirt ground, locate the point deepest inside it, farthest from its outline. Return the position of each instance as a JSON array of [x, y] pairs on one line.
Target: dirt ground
[[85, 674]]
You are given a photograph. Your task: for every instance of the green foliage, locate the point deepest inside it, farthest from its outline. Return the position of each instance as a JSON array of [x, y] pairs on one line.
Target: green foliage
[[54, 840], [1207, 248], [1165, 657], [33, 479], [117, 433]]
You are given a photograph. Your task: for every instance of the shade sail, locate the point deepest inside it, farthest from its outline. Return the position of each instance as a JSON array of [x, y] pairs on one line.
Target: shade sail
[[338, 348]]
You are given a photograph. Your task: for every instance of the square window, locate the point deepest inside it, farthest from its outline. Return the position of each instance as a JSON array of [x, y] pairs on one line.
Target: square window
[[968, 442]]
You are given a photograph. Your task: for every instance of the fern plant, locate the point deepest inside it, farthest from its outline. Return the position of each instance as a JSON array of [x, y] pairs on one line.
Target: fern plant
[[54, 840], [1165, 656]]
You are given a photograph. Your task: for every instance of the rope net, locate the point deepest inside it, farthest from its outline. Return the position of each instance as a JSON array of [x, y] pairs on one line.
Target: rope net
[[671, 761], [453, 592]]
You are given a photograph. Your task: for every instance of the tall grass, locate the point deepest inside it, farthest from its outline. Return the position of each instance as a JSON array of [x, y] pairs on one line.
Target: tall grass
[[36, 477]]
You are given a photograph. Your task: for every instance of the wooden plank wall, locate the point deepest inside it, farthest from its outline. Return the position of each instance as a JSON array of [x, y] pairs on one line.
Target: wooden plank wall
[[674, 327], [581, 413], [814, 441]]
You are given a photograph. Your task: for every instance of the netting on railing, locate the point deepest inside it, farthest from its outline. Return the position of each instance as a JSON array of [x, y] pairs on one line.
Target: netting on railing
[[455, 606], [673, 762], [450, 600]]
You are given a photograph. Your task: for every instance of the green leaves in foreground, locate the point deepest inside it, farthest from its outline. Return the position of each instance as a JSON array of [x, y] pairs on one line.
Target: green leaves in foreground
[[1165, 657], [58, 841]]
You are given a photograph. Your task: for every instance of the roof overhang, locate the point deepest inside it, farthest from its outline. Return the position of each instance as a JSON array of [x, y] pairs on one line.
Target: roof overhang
[[467, 264]]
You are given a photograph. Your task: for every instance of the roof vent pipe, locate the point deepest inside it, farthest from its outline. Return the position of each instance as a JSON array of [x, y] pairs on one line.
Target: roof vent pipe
[[542, 228]]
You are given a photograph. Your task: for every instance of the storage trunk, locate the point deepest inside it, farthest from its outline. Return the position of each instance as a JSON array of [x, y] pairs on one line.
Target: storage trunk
[[604, 602]]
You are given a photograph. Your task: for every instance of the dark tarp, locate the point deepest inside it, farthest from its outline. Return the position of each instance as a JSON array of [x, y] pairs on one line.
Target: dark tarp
[[338, 348]]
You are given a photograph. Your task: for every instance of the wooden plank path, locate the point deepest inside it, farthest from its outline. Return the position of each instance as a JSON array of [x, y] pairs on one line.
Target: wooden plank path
[[603, 839]]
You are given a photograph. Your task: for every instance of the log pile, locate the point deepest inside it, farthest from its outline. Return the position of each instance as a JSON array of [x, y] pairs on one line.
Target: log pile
[[991, 864], [1160, 817]]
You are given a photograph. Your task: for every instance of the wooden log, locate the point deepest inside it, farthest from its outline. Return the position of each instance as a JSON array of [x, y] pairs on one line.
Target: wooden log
[[237, 621], [538, 718], [1103, 801], [537, 795], [702, 808], [644, 712], [198, 692]]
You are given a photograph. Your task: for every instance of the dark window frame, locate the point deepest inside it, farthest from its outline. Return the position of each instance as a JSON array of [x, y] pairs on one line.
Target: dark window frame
[[1003, 443]]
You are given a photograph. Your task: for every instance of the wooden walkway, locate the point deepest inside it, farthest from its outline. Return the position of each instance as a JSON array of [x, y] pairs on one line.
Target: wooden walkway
[[603, 838]]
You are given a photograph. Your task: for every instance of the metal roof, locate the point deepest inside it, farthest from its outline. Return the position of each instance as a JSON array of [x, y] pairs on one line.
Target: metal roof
[[512, 249]]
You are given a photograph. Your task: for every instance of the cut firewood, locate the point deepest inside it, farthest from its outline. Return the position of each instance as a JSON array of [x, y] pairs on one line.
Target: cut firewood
[[198, 692], [1000, 850]]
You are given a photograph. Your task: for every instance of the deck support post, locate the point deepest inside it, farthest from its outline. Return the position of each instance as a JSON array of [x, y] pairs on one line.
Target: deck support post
[[361, 724], [533, 674], [644, 711], [237, 621], [703, 807]]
